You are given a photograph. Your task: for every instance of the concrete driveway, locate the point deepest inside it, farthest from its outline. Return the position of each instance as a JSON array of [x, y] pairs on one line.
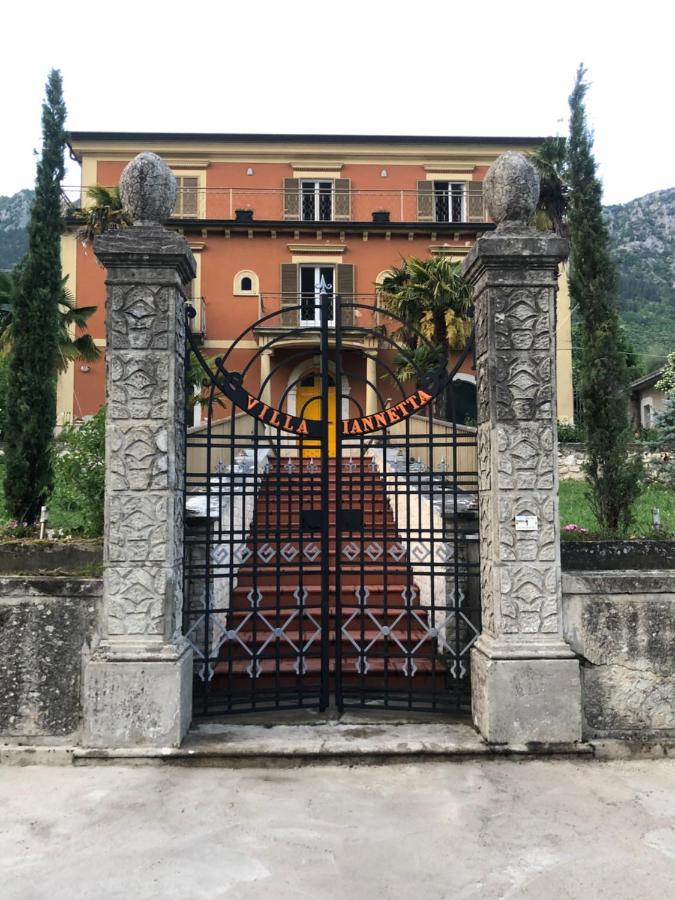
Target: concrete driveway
[[476, 829]]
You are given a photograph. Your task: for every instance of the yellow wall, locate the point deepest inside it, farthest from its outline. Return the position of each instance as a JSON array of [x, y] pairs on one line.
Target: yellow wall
[[66, 383], [564, 350]]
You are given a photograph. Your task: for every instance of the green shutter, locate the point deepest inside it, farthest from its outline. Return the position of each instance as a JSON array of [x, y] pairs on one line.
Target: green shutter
[[474, 201], [425, 201], [343, 207], [291, 198], [289, 294], [345, 288]]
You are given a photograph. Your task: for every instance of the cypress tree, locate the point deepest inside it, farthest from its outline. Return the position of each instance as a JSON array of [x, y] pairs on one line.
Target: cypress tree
[[612, 476], [31, 398]]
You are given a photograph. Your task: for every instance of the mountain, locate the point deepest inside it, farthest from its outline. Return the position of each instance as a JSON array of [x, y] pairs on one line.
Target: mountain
[[14, 217], [642, 238]]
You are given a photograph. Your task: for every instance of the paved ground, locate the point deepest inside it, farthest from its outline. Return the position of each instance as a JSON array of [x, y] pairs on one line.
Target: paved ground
[[478, 829]]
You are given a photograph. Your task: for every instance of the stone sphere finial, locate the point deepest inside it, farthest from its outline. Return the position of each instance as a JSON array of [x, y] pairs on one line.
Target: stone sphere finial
[[511, 189], [148, 190]]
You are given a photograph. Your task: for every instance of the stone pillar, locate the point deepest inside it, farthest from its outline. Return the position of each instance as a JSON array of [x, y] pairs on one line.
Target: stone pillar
[[265, 369], [525, 678], [138, 683], [371, 381]]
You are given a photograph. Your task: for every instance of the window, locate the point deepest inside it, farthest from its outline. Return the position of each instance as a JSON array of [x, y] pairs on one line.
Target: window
[[187, 197], [316, 201], [245, 284], [449, 199], [316, 282]]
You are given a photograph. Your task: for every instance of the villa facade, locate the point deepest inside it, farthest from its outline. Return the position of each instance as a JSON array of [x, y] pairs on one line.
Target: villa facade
[[273, 220]]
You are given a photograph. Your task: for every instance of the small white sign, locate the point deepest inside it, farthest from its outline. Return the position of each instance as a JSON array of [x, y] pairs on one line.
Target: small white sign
[[527, 523]]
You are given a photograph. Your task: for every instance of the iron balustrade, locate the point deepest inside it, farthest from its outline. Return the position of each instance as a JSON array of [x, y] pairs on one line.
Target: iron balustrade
[[440, 205]]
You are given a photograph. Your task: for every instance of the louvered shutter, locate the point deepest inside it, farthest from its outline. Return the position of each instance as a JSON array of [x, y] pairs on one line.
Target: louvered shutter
[[291, 198], [425, 201], [187, 196], [289, 293], [474, 201], [345, 288], [343, 205]]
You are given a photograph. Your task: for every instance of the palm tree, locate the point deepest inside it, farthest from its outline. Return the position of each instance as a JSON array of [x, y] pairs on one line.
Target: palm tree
[[434, 300], [431, 296], [70, 348], [103, 213], [550, 160]]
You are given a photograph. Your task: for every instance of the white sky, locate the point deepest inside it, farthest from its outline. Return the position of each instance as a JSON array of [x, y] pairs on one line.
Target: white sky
[[350, 67]]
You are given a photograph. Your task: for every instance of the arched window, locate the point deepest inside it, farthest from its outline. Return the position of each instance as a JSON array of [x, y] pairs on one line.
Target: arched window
[[245, 284]]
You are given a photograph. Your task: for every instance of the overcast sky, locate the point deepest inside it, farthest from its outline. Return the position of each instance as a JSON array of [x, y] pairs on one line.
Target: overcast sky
[[364, 67]]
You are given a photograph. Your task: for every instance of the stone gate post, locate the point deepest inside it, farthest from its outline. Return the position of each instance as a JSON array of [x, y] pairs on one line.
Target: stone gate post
[[138, 683], [525, 678]]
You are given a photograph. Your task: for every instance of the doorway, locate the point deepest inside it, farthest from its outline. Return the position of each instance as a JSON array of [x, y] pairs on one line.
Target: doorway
[[309, 407]]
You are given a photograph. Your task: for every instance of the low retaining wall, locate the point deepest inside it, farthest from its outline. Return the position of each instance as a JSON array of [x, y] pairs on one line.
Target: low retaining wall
[[621, 623], [571, 458], [46, 625]]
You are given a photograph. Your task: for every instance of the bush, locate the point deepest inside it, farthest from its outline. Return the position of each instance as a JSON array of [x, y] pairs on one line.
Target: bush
[[76, 505], [570, 434]]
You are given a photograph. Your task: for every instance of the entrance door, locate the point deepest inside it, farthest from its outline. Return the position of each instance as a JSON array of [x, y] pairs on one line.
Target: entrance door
[[316, 281], [308, 405]]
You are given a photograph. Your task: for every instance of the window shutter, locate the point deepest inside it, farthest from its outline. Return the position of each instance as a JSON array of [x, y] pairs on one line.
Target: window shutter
[[345, 288], [191, 196], [474, 201], [291, 198], [289, 293], [425, 201], [343, 206], [187, 196]]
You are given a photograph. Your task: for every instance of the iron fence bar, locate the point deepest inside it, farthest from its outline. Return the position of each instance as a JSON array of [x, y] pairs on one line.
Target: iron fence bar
[[337, 303], [325, 493]]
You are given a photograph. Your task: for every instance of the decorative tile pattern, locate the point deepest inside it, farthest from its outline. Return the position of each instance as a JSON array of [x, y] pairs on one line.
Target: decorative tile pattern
[[138, 528], [529, 600], [525, 458], [138, 457], [521, 319], [140, 385], [139, 317]]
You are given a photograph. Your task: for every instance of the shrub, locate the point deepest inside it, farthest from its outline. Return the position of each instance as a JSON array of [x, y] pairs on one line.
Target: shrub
[[76, 505], [570, 434]]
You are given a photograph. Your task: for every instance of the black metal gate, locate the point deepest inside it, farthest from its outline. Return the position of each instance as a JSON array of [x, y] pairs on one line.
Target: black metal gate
[[331, 551]]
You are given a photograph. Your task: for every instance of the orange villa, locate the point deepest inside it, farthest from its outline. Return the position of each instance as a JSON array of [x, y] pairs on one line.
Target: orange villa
[[274, 220]]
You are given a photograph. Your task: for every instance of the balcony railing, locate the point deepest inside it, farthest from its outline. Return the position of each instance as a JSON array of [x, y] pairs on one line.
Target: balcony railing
[[463, 205], [198, 321], [302, 310]]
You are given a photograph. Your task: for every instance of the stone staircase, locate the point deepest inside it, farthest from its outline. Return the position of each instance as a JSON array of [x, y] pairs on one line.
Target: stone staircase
[[276, 622]]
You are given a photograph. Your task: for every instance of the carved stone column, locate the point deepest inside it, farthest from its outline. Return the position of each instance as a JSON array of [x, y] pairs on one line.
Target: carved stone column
[[525, 678], [371, 382], [138, 682]]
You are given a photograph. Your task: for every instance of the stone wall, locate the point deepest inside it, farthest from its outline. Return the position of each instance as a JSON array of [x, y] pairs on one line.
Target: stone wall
[[47, 626], [622, 624], [571, 458]]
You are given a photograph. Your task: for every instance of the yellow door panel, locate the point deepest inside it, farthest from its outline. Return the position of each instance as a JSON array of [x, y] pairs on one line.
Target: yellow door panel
[[312, 397]]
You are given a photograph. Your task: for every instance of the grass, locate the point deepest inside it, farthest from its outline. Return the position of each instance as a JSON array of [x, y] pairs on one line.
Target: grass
[[574, 508]]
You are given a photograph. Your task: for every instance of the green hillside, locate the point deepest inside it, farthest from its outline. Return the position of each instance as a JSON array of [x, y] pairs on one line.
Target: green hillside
[[641, 233]]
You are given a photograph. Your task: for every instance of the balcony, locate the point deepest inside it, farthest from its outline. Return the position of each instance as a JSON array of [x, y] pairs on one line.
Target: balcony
[[378, 206], [299, 311], [197, 323]]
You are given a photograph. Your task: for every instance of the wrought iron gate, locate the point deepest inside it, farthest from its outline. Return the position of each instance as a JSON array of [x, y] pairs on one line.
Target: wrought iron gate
[[329, 563]]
